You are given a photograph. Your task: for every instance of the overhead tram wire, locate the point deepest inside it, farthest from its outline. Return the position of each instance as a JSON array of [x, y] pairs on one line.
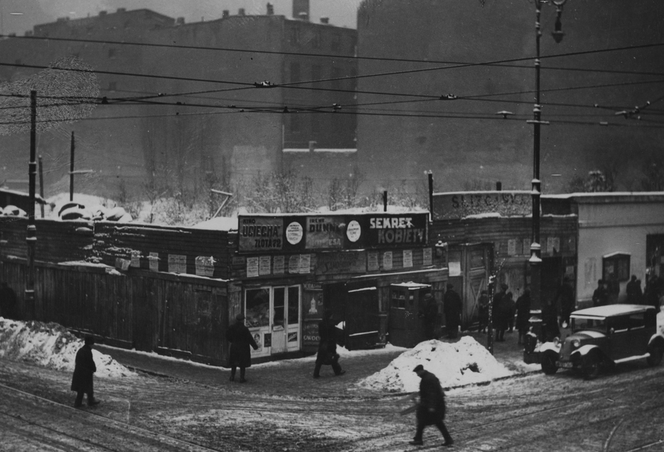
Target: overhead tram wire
[[504, 63], [422, 97]]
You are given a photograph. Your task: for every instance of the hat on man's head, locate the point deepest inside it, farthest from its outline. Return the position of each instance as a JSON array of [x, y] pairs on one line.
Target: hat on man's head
[[240, 317], [418, 368], [450, 286], [504, 286]]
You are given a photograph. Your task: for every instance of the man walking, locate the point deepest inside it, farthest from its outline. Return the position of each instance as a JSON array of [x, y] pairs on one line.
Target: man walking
[[431, 409], [327, 348], [241, 339], [82, 381]]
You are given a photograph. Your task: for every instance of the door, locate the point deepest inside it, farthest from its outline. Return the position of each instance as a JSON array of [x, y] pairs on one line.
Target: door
[[273, 318]]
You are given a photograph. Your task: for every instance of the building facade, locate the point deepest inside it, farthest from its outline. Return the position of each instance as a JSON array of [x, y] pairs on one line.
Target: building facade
[[185, 103]]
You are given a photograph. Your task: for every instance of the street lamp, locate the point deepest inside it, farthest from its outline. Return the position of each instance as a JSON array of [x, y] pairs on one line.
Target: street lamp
[[535, 247]]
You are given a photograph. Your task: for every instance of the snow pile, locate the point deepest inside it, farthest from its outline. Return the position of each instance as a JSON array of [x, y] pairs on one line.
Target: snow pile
[[455, 364], [51, 345]]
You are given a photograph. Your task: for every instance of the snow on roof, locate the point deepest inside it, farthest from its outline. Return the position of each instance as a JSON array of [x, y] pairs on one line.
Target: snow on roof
[[611, 310]]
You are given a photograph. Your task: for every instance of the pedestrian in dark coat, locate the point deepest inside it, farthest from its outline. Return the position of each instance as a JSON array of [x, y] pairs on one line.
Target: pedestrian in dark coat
[[452, 306], [483, 303], [8, 302], [240, 355], [500, 314], [429, 315], [82, 381], [431, 408], [566, 301], [634, 292], [601, 294], [327, 347], [510, 310], [523, 315]]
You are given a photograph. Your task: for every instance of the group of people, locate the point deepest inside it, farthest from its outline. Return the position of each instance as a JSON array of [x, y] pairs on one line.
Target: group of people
[[608, 291], [506, 313]]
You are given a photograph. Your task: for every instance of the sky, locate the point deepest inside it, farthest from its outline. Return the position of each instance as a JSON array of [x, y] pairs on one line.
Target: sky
[[19, 16]]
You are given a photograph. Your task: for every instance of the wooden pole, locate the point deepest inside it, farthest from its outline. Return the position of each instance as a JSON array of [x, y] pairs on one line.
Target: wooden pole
[[31, 236], [71, 168], [41, 185]]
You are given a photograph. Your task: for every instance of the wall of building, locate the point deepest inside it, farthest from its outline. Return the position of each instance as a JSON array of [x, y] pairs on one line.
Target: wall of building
[[197, 115], [615, 224], [465, 142]]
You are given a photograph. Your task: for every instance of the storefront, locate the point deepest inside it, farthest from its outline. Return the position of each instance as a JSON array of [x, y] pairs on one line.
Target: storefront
[[289, 269]]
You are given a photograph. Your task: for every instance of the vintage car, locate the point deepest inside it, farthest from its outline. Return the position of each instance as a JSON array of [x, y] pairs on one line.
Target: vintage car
[[603, 336]]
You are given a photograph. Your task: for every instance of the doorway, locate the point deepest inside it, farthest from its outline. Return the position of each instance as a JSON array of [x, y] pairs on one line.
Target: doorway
[[273, 318]]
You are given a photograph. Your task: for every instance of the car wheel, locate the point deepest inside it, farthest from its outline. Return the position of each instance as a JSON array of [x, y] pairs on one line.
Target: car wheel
[[656, 352], [548, 362], [590, 366]]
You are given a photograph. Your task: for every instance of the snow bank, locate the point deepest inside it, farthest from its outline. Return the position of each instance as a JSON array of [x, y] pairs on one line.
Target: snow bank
[[51, 345], [455, 364]]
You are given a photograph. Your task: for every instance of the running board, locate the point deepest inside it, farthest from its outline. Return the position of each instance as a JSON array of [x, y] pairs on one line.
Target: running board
[[631, 358]]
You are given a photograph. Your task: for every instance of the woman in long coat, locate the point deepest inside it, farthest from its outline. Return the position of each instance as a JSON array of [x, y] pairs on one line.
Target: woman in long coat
[[241, 339], [82, 381]]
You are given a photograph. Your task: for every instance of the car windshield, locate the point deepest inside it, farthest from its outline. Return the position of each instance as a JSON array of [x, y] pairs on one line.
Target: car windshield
[[581, 323]]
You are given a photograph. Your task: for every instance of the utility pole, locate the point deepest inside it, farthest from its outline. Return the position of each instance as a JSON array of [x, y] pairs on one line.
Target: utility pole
[[31, 236], [41, 185], [71, 168]]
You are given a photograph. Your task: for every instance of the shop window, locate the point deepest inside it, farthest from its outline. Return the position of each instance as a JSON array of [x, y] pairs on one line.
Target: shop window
[[616, 267], [258, 307], [477, 259]]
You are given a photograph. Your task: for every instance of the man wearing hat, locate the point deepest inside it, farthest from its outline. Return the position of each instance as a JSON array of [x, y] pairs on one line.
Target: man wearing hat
[[452, 307], [82, 381], [431, 409], [241, 339]]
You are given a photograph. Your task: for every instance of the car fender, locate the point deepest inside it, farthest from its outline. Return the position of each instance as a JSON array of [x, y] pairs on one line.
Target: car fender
[[584, 350], [549, 346], [657, 338]]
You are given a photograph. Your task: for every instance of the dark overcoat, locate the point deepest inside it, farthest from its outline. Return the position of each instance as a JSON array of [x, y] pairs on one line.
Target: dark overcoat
[[84, 370], [452, 305], [523, 312], [500, 317], [432, 400], [241, 339], [327, 347]]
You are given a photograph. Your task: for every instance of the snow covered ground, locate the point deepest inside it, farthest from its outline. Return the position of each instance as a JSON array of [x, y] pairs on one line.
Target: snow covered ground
[[51, 345], [455, 364]]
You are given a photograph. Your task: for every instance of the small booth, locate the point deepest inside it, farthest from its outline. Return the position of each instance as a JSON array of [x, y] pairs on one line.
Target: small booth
[[405, 326]]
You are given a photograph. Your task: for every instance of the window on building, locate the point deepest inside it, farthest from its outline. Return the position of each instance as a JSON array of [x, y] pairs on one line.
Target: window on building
[[316, 40], [295, 72], [336, 74], [336, 41], [294, 36], [615, 267]]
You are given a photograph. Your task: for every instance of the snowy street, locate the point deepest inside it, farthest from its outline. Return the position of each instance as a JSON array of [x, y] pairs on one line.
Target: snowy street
[[282, 408]]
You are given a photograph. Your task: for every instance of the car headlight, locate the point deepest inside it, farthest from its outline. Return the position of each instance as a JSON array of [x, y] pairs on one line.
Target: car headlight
[[576, 343]]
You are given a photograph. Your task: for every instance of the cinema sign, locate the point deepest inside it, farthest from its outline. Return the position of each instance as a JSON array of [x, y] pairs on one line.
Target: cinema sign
[[297, 233]]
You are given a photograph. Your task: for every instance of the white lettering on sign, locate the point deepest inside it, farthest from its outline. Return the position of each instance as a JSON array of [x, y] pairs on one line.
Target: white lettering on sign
[[399, 236], [391, 223]]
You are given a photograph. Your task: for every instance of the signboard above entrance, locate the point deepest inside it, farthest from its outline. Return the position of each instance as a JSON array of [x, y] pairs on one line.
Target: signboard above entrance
[[457, 205], [284, 233]]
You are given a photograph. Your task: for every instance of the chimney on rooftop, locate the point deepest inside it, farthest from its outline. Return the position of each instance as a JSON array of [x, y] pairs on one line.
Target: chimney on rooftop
[[122, 10], [225, 13], [325, 20], [301, 9], [102, 13], [240, 12], [179, 21], [270, 9]]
